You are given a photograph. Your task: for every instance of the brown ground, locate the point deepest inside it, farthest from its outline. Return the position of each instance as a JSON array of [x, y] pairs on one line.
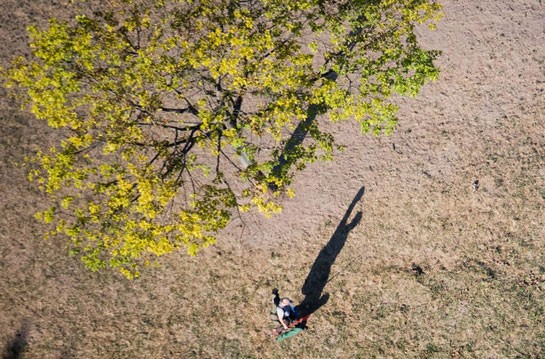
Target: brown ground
[[430, 268]]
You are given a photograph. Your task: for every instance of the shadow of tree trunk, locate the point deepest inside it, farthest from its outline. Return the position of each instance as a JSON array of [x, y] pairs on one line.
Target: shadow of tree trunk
[[286, 160], [318, 276], [15, 347]]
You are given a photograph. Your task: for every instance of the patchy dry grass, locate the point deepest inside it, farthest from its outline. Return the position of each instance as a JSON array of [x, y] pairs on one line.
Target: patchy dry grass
[[433, 269]]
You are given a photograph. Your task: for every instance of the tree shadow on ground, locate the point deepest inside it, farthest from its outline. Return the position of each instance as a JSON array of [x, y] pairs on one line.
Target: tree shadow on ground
[[15, 347], [318, 276]]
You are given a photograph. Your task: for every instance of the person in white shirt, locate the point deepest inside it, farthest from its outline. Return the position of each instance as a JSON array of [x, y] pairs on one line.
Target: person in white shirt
[[284, 309]]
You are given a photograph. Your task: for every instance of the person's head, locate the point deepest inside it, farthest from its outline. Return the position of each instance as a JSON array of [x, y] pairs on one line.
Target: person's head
[[285, 302]]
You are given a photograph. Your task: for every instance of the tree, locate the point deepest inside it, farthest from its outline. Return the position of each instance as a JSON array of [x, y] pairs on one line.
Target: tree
[[177, 113]]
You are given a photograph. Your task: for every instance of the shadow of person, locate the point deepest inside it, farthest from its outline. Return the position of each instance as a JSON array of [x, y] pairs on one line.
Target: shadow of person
[[15, 347], [318, 276]]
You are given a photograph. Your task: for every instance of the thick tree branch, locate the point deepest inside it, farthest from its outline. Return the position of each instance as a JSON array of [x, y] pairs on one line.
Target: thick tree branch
[[189, 109]]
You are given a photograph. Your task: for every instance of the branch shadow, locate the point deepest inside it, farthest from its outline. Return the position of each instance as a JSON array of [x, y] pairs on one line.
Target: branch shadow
[[15, 347], [318, 276]]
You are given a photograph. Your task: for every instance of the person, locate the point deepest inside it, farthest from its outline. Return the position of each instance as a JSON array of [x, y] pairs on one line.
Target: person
[[283, 309]]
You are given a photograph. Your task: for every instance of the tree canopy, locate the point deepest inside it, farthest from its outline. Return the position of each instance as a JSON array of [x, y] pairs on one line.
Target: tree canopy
[[175, 114]]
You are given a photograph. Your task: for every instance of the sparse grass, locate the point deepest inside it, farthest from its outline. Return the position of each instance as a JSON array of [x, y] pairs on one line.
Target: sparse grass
[[480, 292], [484, 301]]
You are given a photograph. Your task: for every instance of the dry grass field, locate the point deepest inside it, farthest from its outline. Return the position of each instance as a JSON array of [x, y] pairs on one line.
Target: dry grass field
[[421, 266]]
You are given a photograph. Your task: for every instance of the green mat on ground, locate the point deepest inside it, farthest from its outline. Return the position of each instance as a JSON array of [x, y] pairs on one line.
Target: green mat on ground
[[288, 334]]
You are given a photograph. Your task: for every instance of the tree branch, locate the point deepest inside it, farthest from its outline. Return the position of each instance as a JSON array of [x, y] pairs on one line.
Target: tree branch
[[189, 109]]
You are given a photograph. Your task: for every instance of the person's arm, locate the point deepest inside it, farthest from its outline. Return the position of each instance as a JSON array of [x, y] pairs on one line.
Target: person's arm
[[283, 322], [280, 315]]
